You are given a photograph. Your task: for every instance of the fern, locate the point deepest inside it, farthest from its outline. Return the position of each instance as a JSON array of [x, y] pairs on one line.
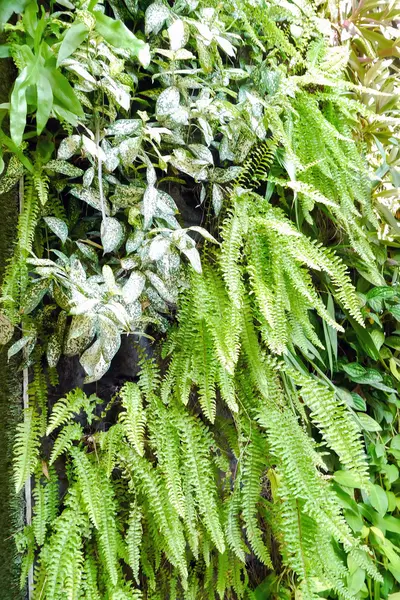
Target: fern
[[26, 447], [134, 539], [134, 417]]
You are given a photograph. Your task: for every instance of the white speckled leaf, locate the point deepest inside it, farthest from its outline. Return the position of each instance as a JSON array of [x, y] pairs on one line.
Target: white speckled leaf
[[85, 307], [226, 46], [90, 196], [109, 336], [194, 258], [118, 91], [19, 344], [202, 153], [133, 287], [178, 34], [183, 54], [33, 296], [125, 127], [112, 234], [134, 310], [217, 198], [225, 175], [69, 146], [54, 349], [134, 241], [88, 177], [64, 167], [129, 263], [57, 226], [161, 288], [92, 149], [77, 271], [167, 103], [128, 150], [155, 17], [6, 329], [149, 205], [88, 251], [94, 363], [158, 247], [81, 326], [109, 279]]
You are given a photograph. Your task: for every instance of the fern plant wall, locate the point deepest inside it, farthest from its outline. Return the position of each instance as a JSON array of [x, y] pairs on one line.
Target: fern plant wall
[[195, 187]]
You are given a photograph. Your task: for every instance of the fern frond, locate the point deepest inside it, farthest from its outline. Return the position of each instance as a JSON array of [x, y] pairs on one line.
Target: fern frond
[[26, 447], [134, 417], [69, 434], [134, 540]]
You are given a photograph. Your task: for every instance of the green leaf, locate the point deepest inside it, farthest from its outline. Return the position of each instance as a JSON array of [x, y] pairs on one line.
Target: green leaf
[[64, 93], [368, 423], [74, 37], [44, 102], [19, 107], [395, 311], [347, 479], [378, 499], [393, 341], [8, 8], [354, 369], [117, 34]]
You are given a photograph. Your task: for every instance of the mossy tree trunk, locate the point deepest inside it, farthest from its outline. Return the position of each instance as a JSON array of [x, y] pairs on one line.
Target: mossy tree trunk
[[11, 506]]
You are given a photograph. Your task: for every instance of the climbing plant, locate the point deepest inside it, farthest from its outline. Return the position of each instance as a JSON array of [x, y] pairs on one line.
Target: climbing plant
[[195, 175]]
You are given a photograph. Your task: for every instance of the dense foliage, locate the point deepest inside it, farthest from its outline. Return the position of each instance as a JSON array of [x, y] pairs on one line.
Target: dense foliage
[[219, 179]]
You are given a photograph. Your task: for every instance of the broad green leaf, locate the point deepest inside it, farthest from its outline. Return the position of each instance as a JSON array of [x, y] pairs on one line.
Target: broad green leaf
[[9, 7], [393, 341], [354, 369], [74, 37], [347, 479], [395, 310], [44, 102], [378, 499], [118, 35], [368, 423], [64, 92], [19, 107]]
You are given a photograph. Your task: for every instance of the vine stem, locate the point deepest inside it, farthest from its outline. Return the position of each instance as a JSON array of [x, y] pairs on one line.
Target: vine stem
[[25, 398], [100, 171]]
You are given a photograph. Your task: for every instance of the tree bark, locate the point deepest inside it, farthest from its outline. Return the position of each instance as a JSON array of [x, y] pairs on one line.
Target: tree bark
[[11, 505]]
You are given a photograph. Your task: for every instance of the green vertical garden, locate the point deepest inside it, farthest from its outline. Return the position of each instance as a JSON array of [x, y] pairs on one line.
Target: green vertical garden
[[203, 288]]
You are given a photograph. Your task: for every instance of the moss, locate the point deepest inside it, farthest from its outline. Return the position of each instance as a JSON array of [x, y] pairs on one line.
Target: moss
[[11, 506]]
